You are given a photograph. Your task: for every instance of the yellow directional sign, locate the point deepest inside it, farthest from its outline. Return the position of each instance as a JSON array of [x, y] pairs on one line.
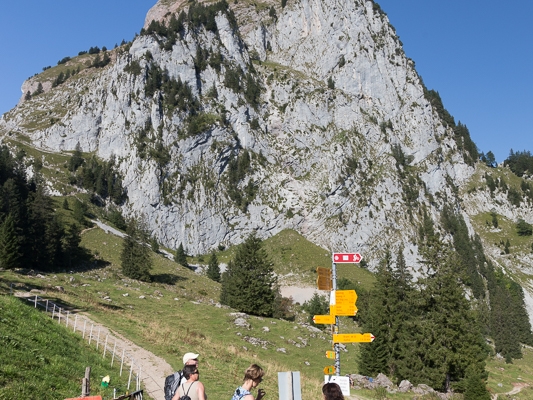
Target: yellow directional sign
[[324, 281], [346, 310], [324, 319], [345, 296], [330, 354], [330, 370], [353, 338]]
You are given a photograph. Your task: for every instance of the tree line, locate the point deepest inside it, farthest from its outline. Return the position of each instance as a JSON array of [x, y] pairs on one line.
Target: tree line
[[32, 235]]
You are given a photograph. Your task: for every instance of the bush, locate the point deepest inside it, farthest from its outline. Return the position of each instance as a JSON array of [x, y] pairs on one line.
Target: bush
[[523, 228]]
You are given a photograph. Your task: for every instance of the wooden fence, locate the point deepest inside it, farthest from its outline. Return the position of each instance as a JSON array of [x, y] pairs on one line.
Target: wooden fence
[[107, 344]]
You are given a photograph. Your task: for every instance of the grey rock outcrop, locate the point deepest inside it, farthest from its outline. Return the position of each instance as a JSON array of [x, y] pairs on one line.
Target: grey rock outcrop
[[339, 100]]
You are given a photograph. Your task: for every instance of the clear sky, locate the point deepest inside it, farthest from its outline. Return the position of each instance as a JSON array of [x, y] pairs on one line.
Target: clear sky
[[477, 54]]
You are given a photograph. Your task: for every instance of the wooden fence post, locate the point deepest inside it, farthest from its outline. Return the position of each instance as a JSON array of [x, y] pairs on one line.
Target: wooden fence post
[[75, 322], [98, 339], [86, 384], [35, 301], [46, 305], [59, 319]]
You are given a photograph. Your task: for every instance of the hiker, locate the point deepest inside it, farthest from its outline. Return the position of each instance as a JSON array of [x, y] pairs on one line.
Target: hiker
[[192, 387], [189, 359], [172, 382], [252, 378], [332, 391]]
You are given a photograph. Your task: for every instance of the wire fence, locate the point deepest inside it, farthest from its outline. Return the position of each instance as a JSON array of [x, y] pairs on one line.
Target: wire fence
[[97, 336]]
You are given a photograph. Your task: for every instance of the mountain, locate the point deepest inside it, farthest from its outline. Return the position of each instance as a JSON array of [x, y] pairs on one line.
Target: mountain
[[225, 119]]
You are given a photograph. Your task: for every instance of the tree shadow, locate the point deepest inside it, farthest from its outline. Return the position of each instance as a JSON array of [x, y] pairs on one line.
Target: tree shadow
[[169, 279]]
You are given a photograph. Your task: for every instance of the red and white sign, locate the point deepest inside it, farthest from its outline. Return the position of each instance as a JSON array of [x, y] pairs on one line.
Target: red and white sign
[[347, 258]]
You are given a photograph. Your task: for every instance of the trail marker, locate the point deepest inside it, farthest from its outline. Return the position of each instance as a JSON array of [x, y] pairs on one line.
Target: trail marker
[[324, 319], [353, 338], [329, 370], [347, 258]]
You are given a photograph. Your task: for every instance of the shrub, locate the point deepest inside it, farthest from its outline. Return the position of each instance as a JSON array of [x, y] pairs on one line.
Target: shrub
[[523, 228]]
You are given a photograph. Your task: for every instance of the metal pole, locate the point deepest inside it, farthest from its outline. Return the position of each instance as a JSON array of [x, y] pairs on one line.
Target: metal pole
[[46, 305], [75, 322], [84, 324], [68, 313], [35, 301], [336, 346], [53, 311], [59, 319], [98, 339]]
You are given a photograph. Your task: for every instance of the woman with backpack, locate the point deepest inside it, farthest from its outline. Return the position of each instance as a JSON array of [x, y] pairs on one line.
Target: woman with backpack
[[252, 378], [192, 389]]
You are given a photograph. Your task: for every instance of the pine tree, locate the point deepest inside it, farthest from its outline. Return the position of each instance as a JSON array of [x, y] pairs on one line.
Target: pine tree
[[389, 312], [9, 244], [213, 269], [181, 256], [451, 337], [248, 283], [136, 255], [317, 305], [71, 241]]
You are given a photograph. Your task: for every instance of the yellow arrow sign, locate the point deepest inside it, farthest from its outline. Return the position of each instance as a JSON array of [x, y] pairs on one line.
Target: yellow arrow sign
[[353, 338], [330, 354], [330, 370], [324, 319], [346, 310]]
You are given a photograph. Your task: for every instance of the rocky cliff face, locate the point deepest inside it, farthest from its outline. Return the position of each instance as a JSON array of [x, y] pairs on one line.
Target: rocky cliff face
[[309, 117]]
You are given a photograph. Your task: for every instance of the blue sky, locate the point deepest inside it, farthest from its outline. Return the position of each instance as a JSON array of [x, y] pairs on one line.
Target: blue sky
[[477, 54]]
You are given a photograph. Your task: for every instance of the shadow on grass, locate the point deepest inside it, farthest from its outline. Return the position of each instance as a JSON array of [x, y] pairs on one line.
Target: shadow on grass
[[169, 279]]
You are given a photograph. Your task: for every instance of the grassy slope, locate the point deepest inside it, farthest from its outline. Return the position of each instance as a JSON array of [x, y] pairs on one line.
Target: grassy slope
[[42, 360]]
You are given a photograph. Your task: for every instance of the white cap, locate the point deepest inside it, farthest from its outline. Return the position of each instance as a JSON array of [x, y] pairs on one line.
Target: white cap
[[189, 356]]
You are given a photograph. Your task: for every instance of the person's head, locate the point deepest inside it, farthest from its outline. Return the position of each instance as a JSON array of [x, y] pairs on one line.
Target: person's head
[[332, 391], [190, 359], [255, 374], [191, 370]]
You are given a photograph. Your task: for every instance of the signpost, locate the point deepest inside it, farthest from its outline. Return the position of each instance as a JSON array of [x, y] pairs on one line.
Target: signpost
[[324, 319], [353, 338], [347, 258], [329, 370], [343, 310], [341, 303]]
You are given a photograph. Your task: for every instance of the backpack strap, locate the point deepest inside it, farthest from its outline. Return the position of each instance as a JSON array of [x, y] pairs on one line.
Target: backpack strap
[[186, 394]]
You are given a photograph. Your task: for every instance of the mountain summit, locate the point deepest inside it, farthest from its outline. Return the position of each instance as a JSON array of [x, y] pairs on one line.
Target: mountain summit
[[227, 119]]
